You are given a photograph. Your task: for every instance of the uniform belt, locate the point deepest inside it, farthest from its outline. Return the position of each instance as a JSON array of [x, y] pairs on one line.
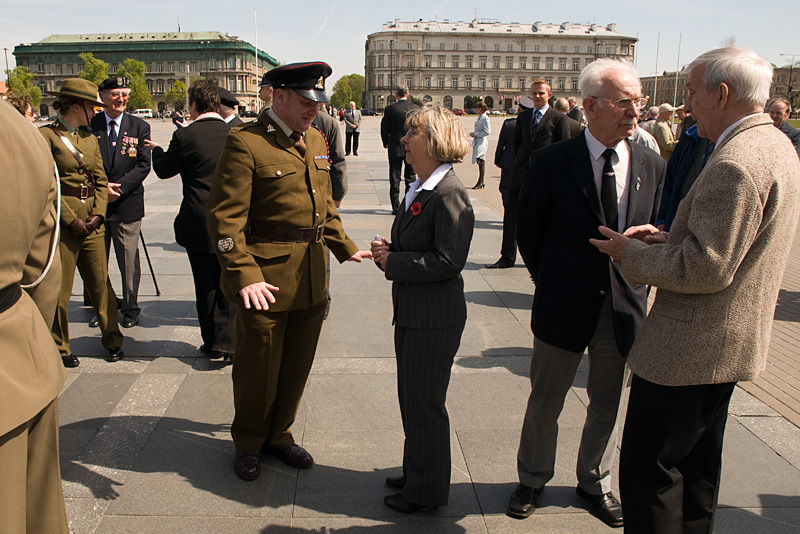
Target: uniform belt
[[286, 233], [9, 296], [80, 191]]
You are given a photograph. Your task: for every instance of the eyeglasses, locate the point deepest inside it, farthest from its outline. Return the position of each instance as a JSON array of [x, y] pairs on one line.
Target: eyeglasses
[[120, 94], [415, 131], [625, 103]]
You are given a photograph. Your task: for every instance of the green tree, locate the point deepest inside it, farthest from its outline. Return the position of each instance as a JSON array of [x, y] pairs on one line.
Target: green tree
[[176, 96], [140, 97], [95, 70], [346, 89], [20, 82]]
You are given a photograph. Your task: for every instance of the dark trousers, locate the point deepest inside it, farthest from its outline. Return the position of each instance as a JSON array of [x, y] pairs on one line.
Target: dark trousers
[[672, 457], [351, 137], [214, 311], [395, 166], [424, 359], [508, 246]]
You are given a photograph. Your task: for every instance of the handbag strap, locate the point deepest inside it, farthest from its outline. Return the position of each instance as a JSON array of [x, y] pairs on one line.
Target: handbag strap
[[74, 151]]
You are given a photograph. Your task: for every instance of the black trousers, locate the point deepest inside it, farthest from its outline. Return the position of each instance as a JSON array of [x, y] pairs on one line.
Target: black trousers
[[671, 457], [351, 137], [395, 166], [215, 313], [508, 246]]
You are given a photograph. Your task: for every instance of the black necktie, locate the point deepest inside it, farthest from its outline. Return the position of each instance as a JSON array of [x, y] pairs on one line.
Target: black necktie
[[608, 192], [537, 116], [112, 139], [299, 144]]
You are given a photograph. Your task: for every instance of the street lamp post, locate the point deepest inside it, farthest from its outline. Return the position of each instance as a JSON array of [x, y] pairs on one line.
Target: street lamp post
[[391, 63], [6, 51]]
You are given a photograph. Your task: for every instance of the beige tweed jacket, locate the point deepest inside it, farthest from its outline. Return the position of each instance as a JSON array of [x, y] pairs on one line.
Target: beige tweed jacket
[[719, 273]]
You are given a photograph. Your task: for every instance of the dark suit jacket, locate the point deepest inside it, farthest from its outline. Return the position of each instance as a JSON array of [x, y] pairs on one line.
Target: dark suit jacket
[[393, 127], [235, 121], [428, 252], [330, 130], [504, 153], [553, 127], [793, 134], [574, 126], [559, 211], [575, 114], [193, 152], [129, 168]]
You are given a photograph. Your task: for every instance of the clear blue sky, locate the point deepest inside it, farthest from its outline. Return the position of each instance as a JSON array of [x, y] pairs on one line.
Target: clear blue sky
[[336, 32]]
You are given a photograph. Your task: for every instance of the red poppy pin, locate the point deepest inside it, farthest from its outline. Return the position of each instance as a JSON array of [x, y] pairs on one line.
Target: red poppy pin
[[416, 208]]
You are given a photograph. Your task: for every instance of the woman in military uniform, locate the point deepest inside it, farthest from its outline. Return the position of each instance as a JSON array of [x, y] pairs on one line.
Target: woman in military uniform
[[84, 197]]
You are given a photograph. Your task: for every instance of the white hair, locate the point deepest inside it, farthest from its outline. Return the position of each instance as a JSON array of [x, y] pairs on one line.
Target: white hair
[[747, 74], [593, 75]]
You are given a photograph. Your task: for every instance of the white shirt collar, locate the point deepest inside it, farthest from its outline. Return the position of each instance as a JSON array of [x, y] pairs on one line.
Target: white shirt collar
[[209, 115], [432, 181], [109, 120], [728, 130], [282, 125], [596, 148], [543, 109]]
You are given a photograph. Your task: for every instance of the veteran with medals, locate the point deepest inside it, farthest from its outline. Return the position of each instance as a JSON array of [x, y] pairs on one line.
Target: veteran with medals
[[271, 214]]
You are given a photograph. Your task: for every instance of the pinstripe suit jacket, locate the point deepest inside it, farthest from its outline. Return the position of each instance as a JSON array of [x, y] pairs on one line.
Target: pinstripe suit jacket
[[429, 251]]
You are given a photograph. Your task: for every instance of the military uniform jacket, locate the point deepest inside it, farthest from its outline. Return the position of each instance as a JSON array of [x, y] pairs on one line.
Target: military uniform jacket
[[130, 166], [70, 174], [262, 177], [31, 373]]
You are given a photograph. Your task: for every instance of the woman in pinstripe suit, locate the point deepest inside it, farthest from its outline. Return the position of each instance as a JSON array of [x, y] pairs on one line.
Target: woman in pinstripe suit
[[430, 241]]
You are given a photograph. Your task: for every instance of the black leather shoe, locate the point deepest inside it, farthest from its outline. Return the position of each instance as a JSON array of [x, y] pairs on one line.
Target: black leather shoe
[[294, 456], [214, 353], [70, 361], [500, 264], [606, 507], [247, 466], [93, 322], [130, 320], [115, 354], [523, 501], [396, 482], [397, 502]]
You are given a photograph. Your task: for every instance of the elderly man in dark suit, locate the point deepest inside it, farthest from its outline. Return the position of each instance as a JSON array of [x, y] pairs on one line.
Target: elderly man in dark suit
[[393, 128], [535, 128], [582, 300], [193, 153], [126, 160], [718, 273], [227, 107]]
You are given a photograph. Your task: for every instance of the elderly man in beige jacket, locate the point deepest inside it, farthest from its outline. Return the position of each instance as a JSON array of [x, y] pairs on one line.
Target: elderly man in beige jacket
[[718, 274]]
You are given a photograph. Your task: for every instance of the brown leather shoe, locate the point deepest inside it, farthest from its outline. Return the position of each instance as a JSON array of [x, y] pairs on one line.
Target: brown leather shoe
[[606, 507], [247, 466], [295, 456]]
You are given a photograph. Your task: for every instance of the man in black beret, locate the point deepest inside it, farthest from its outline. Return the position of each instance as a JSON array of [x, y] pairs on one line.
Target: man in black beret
[[271, 214], [227, 107], [127, 163], [265, 90]]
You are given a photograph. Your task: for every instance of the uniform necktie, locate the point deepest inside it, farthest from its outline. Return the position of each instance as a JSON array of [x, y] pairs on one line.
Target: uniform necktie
[[112, 139], [299, 144], [608, 192], [537, 117]]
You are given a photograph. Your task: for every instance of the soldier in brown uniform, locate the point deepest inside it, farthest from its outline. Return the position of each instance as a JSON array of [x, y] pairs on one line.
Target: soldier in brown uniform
[[31, 499], [84, 197], [270, 215]]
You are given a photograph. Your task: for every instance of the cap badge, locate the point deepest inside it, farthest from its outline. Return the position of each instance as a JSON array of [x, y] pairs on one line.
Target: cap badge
[[320, 83]]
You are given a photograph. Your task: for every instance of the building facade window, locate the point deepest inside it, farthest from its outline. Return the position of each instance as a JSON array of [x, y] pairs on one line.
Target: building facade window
[[483, 63], [509, 63], [468, 82], [441, 62], [561, 83], [427, 81], [483, 46], [562, 63], [511, 48], [509, 83], [441, 46], [522, 48], [427, 46], [574, 84], [576, 64], [469, 46], [577, 49], [522, 83], [409, 46], [441, 81], [469, 63], [380, 80], [536, 63], [589, 49], [409, 82], [428, 61], [535, 48], [496, 62], [455, 82], [549, 64], [482, 83], [380, 61], [497, 48], [455, 46], [409, 62], [563, 49], [455, 62], [523, 63], [496, 83], [40, 67]]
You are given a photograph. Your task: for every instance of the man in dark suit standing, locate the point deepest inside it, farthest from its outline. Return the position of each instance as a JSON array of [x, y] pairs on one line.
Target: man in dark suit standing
[[127, 163], [562, 105], [227, 107], [575, 112], [393, 128], [535, 128], [582, 300], [779, 112]]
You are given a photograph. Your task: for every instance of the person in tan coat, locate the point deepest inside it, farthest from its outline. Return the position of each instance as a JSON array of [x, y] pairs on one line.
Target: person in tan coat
[[270, 216], [718, 272], [31, 499]]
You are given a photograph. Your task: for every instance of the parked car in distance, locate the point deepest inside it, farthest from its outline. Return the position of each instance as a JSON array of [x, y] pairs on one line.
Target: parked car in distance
[[143, 113], [494, 112], [458, 111], [249, 113], [369, 112], [511, 111]]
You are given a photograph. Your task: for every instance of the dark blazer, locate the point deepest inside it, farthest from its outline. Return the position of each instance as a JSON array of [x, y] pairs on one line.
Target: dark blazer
[[130, 167], [193, 152], [553, 127], [559, 211], [576, 114], [333, 140], [574, 126], [235, 121], [793, 134], [393, 126], [429, 250], [504, 153]]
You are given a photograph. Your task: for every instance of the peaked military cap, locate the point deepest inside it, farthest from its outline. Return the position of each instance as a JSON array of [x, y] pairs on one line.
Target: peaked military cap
[[115, 82], [79, 88], [264, 81], [226, 97], [307, 79]]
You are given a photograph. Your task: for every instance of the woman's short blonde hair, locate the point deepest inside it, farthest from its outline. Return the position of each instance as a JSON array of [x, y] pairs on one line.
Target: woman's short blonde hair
[[447, 141]]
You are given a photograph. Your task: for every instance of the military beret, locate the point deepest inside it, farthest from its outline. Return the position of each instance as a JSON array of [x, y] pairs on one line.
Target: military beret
[[226, 98], [115, 82], [306, 79]]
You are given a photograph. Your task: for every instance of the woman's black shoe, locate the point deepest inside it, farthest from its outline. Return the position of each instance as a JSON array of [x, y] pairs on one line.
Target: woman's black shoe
[[70, 361], [396, 482], [397, 502]]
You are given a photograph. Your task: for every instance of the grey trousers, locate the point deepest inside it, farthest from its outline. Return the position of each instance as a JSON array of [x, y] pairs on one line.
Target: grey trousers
[[125, 237], [552, 373]]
